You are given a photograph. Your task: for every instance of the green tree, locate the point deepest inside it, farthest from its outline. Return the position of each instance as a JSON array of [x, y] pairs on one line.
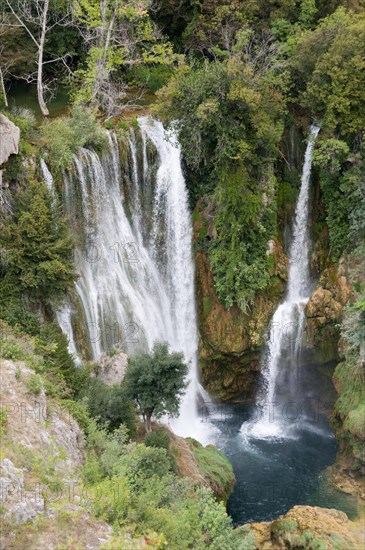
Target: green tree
[[329, 72], [156, 382], [37, 247], [108, 405], [342, 177]]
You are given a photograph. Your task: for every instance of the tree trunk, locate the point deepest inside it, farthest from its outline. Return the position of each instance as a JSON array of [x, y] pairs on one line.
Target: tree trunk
[[5, 98], [40, 92], [147, 422]]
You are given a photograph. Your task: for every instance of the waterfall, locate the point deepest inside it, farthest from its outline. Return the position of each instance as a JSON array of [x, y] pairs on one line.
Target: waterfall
[[281, 365], [134, 254], [47, 176]]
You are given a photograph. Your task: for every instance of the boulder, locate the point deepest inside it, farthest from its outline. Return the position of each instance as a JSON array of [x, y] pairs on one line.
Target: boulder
[[9, 140], [112, 369]]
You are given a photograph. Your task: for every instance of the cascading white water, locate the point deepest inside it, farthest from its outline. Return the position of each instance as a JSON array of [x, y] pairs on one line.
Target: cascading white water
[[47, 176], [171, 219], [281, 363], [135, 286]]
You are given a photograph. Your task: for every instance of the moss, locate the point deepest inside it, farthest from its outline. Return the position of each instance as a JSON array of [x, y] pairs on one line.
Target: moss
[[356, 421], [290, 533], [215, 468], [207, 305]]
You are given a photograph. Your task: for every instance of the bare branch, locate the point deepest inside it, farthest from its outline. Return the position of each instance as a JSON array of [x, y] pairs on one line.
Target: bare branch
[[22, 23]]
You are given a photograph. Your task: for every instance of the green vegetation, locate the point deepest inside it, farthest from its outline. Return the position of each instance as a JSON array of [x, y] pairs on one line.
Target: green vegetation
[[34, 384], [215, 468], [229, 125], [156, 382], [157, 438], [37, 248], [133, 486], [64, 135], [148, 497], [108, 404], [349, 377]]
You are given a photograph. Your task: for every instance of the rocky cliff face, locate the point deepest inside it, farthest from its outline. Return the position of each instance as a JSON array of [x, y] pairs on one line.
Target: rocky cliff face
[[324, 313], [42, 451], [230, 340]]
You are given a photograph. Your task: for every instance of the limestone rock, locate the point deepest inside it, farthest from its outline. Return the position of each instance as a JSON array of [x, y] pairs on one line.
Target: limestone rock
[[306, 527], [9, 140], [112, 369], [324, 313], [19, 504], [37, 423], [323, 305]]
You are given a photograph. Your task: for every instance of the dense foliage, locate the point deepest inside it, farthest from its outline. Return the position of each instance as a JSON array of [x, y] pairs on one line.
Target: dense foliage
[[36, 247], [350, 373], [229, 125]]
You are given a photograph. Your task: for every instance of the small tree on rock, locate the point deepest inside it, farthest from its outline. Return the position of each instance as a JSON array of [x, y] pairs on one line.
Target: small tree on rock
[[156, 382]]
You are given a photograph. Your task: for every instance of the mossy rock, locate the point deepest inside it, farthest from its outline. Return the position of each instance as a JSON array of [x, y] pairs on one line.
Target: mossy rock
[[313, 528], [215, 468]]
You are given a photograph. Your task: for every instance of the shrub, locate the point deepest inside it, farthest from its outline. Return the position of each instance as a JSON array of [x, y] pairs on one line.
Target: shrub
[[109, 405], [3, 421], [79, 412], [64, 135], [91, 471], [111, 499], [34, 384], [158, 438], [141, 462], [11, 351]]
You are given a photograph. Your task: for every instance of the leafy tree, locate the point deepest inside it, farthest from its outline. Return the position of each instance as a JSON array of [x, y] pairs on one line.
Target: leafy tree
[[109, 405], [156, 382], [342, 185], [329, 72], [37, 247]]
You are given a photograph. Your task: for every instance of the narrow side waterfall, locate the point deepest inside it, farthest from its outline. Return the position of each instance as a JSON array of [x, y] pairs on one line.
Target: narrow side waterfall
[[282, 358], [133, 254]]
